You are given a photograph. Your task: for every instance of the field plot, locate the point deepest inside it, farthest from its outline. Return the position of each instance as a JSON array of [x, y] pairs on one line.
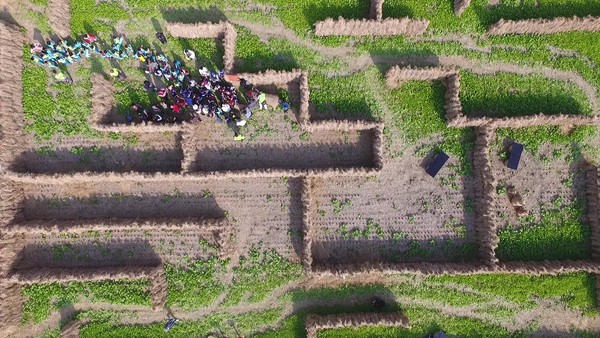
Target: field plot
[[507, 95], [283, 149], [550, 185], [403, 215], [255, 207]]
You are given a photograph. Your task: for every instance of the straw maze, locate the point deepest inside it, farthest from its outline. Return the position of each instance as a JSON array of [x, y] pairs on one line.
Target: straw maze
[[377, 25], [16, 228]]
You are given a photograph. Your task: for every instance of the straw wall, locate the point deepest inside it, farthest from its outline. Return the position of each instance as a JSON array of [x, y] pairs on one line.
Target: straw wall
[[80, 226], [315, 323], [12, 118], [485, 194], [398, 75], [50, 275], [386, 27], [376, 10], [452, 104], [593, 213], [307, 217], [523, 121], [545, 26]]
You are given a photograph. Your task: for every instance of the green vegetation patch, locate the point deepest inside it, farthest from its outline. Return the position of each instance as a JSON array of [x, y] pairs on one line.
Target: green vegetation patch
[[216, 324], [533, 138], [577, 290], [560, 234], [41, 299], [259, 273], [55, 108], [507, 94], [196, 285]]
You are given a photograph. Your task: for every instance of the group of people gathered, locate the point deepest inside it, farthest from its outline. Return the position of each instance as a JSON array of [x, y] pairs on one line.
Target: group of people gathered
[[182, 97]]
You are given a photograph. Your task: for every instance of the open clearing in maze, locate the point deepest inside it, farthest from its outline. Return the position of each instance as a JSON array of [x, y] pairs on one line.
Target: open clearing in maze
[[67, 181]]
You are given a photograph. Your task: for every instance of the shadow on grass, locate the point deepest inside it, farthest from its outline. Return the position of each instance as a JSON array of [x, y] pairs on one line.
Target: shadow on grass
[[494, 105]]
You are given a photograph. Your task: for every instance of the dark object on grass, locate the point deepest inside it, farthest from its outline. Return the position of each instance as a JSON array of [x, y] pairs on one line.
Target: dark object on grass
[[438, 162], [170, 323], [161, 37], [439, 334], [515, 150], [377, 302]]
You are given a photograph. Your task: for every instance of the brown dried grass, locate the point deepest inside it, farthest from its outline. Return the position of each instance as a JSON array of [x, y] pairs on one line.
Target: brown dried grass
[[523, 121], [315, 323], [545, 26], [376, 10], [80, 226], [51, 275], [308, 208], [593, 211], [11, 110], [485, 198], [196, 30], [386, 27]]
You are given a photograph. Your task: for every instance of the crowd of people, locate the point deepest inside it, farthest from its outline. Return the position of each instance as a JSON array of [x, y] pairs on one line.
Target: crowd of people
[[183, 97]]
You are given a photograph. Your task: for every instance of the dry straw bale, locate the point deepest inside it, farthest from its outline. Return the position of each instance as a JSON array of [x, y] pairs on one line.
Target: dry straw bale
[[397, 75], [387, 27], [307, 217], [104, 224], [425, 268], [545, 26], [196, 176], [593, 211], [229, 36], [376, 10], [485, 197], [50, 275], [59, 17], [452, 104], [460, 6], [378, 154], [523, 121], [304, 115], [270, 76], [549, 267], [315, 323], [341, 125], [11, 109], [196, 30]]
